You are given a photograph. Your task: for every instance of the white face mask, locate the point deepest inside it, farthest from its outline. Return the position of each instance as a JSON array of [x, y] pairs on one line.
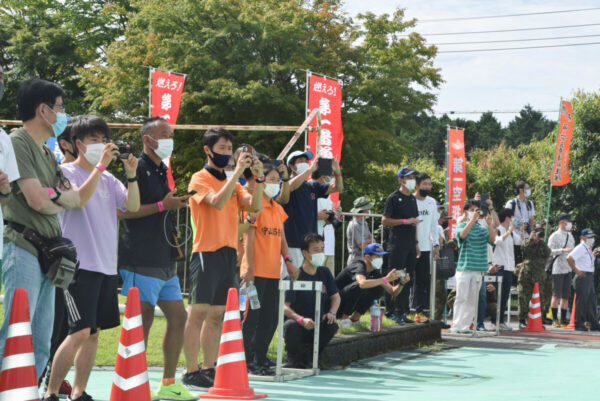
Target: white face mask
[[93, 152], [317, 259], [590, 242], [470, 216], [568, 226], [527, 193], [377, 263], [165, 148], [271, 190], [229, 174], [410, 185], [482, 222], [301, 167]]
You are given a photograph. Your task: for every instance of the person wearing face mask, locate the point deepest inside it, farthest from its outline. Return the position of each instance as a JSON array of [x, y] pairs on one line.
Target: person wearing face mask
[[324, 227], [361, 282], [35, 200], [473, 239], [146, 258], [213, 270], [504, 260], [401, 213], [581, 260], [524, 213], [66, 143], [265, 244], [561, 243], [535, 256], [358, 235], [300, 307], [303, 200], [92, 297]]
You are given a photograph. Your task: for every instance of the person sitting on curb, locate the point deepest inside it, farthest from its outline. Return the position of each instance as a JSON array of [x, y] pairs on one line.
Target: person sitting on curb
[[361, 283]]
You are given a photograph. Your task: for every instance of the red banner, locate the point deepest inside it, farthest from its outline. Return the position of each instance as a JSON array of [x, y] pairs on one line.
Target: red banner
[[326, 95], [560, 173], [457, 177], [166, 99]]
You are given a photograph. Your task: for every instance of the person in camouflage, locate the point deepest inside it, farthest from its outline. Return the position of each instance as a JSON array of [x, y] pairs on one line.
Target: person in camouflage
[[535, 255]]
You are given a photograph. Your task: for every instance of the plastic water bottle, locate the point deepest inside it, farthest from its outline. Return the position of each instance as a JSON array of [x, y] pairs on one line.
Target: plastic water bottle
[[243, 298], [253, 295], [375, 316]]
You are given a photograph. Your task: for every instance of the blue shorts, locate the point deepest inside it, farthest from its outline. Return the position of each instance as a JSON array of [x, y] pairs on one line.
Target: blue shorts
[[151, 289]]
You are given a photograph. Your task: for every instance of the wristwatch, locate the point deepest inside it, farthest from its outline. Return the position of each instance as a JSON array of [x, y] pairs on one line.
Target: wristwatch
[[54, 193]]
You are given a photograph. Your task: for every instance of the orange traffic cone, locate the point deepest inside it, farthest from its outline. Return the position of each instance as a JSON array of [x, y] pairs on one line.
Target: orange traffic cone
[[18, 380], [231, 377], [572, 321], [131, 372], [534, 320]]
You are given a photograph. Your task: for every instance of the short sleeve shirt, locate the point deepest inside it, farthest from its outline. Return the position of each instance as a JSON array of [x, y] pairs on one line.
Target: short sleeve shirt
[[41, 164], [524, 211], [8, 164], [400, 206], [473, 250], [94, 229], [267, 241], [215, 228], [583, 258], [303, 302], [143, 243], [348, 275], [302, 211]]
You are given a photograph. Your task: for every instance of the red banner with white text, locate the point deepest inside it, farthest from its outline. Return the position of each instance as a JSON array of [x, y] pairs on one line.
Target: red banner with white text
[[166, 99], [457, 177], [560, 173], [326, 95]]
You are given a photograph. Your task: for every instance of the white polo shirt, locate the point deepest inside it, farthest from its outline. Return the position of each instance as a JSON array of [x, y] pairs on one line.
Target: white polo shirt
[[583, 257]]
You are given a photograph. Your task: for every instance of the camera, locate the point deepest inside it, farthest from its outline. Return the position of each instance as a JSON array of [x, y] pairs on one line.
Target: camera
[[124, 151], [333, 219]]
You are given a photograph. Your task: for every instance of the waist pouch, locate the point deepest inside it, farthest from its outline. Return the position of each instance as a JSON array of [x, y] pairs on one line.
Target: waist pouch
[[57, 255]]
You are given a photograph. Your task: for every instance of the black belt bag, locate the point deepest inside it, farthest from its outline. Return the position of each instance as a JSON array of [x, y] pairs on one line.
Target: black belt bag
[[57, 255]]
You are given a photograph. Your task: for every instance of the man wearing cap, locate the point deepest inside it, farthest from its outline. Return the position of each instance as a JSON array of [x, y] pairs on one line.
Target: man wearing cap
[[302, 205], [535, 255], [561, 243], [401, 214], [581, 260], [357, 233], [361, 283]]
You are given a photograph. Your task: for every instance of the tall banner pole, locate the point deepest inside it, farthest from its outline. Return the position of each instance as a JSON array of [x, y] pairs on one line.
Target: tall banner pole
[[446, 200], [308, 73], [150, 92], [551, 177]]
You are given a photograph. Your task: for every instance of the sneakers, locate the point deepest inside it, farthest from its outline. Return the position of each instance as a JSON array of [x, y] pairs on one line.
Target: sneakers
[[153, 396], [455, 331], [546, 321], [404, 319], [481, 327], [199, 380], [51, 397], [505, 327], [522, 324], [445, 326], [83, 397], [395, 318], [345, 323], [175, 391], [421, 317], [555, 323]]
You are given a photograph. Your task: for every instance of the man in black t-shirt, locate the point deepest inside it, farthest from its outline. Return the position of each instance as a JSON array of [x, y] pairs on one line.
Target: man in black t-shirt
[[361, 283], [298, 329], [400, 213]]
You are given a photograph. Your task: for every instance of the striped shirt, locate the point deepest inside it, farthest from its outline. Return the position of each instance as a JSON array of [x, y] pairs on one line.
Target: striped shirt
[[473, 250]]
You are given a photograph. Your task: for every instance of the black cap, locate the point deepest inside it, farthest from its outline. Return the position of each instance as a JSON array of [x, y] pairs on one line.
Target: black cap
[[565, 216]]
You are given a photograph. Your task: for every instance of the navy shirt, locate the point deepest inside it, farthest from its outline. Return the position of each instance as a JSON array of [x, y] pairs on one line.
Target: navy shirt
[[303, 302], [143, 247], [400, 206], [302, 211], [348, 275]]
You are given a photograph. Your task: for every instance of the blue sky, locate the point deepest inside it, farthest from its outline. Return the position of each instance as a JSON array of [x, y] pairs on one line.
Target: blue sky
[[504, 80]]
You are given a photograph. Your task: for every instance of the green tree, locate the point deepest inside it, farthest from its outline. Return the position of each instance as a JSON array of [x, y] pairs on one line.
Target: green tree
[[529, 125]]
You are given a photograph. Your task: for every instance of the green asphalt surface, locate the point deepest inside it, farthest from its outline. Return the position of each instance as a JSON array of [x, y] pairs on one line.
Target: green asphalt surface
[[455, 374]]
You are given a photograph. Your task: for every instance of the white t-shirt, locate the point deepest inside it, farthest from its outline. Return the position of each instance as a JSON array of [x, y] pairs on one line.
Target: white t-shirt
[[428, 226], [326, 230], [8, 164], [504, 253], [583, 257], [522, 213]]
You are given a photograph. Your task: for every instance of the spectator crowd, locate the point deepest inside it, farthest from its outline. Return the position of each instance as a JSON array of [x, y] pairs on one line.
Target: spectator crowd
[[74, 234]]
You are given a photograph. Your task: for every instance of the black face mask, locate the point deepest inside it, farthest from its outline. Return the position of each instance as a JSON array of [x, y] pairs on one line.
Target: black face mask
[[424, 192], [445, 225]]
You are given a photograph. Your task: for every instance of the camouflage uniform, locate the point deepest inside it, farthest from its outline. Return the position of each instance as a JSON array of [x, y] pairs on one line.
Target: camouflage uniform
[[535, 255], [440, 299]]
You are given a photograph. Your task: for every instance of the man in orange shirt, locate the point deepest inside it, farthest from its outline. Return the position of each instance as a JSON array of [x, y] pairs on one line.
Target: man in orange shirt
[[213, 270], [265, 245]]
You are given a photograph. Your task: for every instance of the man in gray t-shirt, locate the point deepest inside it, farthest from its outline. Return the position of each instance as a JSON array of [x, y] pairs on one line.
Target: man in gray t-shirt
[[358, 232]]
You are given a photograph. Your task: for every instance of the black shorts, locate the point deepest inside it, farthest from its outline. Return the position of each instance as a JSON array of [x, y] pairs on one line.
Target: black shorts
[[561, 285], [212, 274], [92, 302]]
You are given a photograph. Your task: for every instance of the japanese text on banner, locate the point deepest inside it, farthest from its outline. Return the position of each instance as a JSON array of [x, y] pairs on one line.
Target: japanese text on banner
[[560, 173], [457, 177]]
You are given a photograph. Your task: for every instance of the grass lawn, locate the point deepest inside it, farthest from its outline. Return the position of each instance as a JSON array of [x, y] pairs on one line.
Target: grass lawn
[[109, 340]]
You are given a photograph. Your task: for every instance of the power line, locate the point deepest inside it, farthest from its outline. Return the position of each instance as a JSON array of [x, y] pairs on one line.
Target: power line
[[490, 111], [506, 15], [513, 40], [518, 48], [509, 30]]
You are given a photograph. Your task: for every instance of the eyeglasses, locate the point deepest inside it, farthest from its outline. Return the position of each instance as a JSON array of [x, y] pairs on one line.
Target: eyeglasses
[[64, 181], [61, 107]]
